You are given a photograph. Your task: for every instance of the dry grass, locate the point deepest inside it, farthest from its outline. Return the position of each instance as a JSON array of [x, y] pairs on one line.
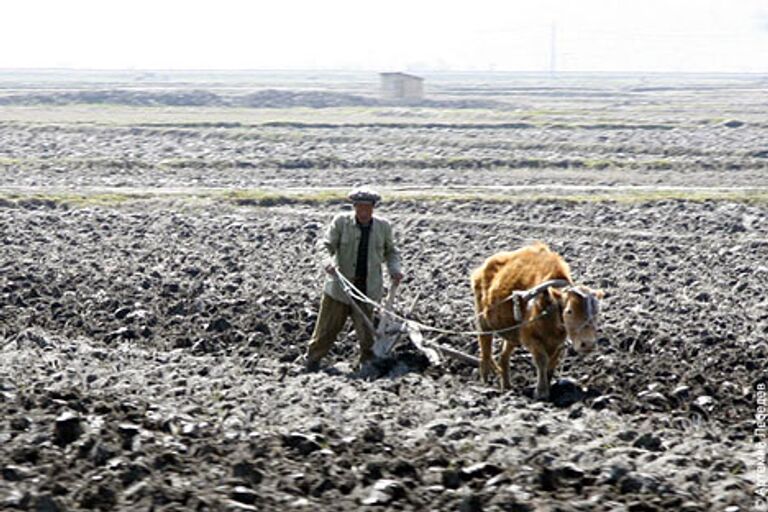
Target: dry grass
[[272, 197]]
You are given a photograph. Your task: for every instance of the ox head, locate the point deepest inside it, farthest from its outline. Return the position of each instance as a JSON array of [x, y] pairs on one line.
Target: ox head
[[580, 307]]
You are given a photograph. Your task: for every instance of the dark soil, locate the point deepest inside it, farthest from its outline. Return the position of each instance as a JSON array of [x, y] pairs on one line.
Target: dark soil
[[148, 363], [265, 98]]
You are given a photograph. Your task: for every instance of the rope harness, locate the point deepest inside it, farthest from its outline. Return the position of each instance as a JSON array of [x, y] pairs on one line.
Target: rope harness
[[592, 307], [520, 297]]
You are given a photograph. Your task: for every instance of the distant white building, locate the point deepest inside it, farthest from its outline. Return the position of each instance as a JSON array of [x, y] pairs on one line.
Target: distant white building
[[401, 86]]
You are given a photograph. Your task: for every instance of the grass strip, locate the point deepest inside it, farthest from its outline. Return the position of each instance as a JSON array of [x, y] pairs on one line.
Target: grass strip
[[272, 197]]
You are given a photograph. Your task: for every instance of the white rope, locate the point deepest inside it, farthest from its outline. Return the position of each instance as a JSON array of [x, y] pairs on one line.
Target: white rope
[[356, 294]]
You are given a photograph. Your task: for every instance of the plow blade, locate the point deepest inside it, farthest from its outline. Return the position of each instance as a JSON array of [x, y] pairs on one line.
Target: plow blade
[[435, 352], [389, 330]]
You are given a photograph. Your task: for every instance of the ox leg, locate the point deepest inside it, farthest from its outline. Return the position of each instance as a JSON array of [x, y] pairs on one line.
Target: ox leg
[[506, 353], [550, 373], [554, 362], [487, 364], [541, 360]]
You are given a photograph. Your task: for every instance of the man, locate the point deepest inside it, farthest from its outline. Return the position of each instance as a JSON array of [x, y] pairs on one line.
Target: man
[[357, 244]]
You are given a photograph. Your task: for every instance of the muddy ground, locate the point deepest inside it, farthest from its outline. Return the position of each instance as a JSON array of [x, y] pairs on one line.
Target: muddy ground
[[148, 347], [147, 360]]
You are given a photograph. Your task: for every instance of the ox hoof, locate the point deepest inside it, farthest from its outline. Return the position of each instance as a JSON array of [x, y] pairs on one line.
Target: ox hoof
[[488, 368]]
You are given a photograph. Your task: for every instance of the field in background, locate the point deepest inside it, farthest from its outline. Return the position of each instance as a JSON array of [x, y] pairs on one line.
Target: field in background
[[160, 278], [648, 136]]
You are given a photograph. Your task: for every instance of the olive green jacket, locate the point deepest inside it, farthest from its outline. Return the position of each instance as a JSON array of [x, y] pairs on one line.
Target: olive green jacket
[[340, 242]]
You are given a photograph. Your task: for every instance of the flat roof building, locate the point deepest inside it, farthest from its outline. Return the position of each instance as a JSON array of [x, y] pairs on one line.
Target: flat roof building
[[401, 86]]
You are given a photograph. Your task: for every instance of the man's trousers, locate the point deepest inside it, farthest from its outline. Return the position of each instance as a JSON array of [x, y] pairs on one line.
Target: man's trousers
[[330, 321]]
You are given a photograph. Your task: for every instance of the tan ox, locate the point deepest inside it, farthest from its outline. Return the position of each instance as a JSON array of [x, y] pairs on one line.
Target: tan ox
[[529, 295]]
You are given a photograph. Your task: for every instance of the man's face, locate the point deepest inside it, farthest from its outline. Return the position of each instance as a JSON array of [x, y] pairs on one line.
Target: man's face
[[364, 212]]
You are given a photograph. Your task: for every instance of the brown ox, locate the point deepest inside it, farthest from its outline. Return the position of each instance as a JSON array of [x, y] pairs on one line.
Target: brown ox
[[511, 289]]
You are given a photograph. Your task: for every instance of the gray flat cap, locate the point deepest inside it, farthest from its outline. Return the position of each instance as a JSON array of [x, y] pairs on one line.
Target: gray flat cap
[[364, 195]]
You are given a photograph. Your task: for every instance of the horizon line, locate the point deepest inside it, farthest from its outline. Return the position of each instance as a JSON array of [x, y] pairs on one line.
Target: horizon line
[[363, 70]]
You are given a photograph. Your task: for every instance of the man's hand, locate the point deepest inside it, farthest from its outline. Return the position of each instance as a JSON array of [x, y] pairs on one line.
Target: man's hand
[[331, 269], [396, 278]]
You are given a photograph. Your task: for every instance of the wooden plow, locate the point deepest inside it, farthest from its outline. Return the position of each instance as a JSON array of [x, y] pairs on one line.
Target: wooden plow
[[393, 328]]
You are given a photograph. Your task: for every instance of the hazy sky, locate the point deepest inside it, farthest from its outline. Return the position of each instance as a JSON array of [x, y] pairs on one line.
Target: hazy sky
[[588, 35]]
